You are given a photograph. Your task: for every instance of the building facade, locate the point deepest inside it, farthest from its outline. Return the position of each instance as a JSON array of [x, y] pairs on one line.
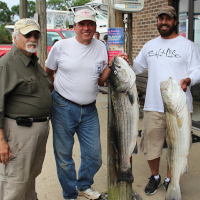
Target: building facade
[[145, 28]]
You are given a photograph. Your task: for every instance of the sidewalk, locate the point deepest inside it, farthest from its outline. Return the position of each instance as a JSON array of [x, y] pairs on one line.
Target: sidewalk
[[48, 186]]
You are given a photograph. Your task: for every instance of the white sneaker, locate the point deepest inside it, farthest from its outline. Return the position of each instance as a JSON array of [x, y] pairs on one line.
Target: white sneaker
[[89, 193], [71, 199]]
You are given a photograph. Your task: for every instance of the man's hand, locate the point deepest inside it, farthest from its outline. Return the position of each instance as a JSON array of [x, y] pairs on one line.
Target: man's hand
[[122, 55], [5, 152], [184, 83]]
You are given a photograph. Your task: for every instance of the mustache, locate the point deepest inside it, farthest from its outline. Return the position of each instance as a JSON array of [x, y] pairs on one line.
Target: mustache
[[164, 25], [31, 43]]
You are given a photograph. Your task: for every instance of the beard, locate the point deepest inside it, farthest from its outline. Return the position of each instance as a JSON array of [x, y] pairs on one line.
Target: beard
[[32, 49], [166, 33]]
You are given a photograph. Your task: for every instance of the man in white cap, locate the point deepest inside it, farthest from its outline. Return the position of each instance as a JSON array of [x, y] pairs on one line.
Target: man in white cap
[[81, 64], [24, 110]]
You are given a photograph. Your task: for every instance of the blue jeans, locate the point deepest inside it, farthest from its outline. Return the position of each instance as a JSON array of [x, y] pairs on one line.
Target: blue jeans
[[68, 118]]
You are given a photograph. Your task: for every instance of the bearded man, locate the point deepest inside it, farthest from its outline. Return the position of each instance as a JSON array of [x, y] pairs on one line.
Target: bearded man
[[168, 55], [25, 105]]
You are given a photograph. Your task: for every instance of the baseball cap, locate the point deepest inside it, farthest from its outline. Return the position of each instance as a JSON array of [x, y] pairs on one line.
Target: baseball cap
[[169, 10], [105, 37], [84, 14], [26, 25]]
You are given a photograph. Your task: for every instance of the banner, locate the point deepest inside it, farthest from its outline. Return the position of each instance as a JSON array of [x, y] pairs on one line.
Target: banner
[[115, 42]]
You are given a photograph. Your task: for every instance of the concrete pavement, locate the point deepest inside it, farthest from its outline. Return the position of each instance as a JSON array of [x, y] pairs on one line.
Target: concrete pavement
[[48, 186]]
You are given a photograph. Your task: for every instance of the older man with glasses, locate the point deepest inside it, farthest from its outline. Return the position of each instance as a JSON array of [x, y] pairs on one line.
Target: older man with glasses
[[25, 105]]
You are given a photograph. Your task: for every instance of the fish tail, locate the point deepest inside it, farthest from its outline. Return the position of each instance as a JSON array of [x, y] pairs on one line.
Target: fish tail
[[173, 193], [125, 176]]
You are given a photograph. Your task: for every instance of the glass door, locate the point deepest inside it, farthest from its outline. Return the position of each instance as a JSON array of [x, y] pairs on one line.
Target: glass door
[[183, 18], [196, 88]]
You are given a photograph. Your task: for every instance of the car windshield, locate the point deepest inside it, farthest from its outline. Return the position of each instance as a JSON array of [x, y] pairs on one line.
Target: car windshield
[[68, 34]]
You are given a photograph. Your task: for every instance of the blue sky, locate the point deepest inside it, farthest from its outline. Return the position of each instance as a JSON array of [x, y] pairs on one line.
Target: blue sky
[[11, 3]]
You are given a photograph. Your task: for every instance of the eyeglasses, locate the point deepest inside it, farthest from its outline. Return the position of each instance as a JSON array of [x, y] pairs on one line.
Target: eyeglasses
[[35, 35]]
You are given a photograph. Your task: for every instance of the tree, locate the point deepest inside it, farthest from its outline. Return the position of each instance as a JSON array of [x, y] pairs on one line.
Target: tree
[[6, 37], [5, 13], [30, 9], [15, 11], [79, 2], [58, 4], [61, 4]]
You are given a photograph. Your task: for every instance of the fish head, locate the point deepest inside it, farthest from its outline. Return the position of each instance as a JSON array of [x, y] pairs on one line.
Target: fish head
[[122, 77], [173, 96]]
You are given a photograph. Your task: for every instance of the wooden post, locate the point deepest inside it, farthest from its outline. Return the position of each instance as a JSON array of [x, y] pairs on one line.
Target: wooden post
[[23, 9], [122, 190], [130, 39], [42, 47]]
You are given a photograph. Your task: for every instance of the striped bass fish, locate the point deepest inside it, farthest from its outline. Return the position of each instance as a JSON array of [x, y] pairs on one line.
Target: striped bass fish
[[178, 138], [125, 111]]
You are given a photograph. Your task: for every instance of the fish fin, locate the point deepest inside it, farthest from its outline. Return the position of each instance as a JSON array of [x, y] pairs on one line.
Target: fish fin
[[167, 157], [125, 176], [114, 145], [173, 193], [185, 169], [135, 151], [113, 141], [131, 97]]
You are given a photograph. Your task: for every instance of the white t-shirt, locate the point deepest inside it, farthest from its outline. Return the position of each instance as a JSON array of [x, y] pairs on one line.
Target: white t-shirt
[[178, 58], [78, 69]]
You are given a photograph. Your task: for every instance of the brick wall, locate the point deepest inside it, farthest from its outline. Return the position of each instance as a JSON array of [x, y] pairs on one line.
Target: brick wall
[[145, 24]]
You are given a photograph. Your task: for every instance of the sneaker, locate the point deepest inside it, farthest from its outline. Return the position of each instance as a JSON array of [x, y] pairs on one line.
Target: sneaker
[[152, 185], [89, 193], [165, 185], [71, 199]]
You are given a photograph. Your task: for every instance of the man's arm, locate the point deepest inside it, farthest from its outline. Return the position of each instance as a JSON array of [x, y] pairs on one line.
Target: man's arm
[[106, 73], [184, 83], [50, 74], [104, 76], [4, 149]]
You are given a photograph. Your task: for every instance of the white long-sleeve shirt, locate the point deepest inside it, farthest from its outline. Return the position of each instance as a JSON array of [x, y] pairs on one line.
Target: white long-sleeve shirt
[[178, 58]]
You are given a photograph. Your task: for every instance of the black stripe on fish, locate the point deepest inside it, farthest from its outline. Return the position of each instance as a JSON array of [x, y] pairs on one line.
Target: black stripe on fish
[[131, 97]]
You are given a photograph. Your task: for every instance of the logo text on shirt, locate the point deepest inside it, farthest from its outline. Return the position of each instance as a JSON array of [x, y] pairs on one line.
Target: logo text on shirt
[[168, 53]]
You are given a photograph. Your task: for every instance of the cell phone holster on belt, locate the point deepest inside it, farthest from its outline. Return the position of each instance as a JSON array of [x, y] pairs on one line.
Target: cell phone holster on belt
[[24, 121]]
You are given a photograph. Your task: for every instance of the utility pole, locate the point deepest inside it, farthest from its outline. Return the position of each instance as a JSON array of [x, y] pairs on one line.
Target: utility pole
[[123, 189], [42, 47], [23, 9]]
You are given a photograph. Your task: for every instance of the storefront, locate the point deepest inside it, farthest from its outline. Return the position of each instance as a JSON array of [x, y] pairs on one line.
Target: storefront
[[189, 27]]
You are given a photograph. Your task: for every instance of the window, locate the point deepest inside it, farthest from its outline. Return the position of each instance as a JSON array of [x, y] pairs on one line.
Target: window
[[189, 27], [197, 23], [183, 18], [52, 37], [68, 34]]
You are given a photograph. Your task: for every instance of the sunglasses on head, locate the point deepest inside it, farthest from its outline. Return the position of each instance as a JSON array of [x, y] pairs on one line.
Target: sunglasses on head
[[35, 35]]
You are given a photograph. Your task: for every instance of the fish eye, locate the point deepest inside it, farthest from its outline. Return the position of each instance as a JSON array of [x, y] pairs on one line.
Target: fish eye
[[115, 72]]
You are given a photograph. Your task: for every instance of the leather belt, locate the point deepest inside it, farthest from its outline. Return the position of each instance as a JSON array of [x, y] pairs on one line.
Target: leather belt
[[32, 119]]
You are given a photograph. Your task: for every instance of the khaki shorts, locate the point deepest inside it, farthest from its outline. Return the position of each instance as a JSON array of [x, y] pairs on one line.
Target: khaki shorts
[[153, 134]]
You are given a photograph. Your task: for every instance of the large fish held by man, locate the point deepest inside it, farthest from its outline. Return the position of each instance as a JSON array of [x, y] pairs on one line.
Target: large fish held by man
[[178, 136], [125, 112]]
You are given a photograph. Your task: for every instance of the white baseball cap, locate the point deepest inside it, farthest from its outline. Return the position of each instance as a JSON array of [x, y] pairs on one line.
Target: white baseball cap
[[84, 14]]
